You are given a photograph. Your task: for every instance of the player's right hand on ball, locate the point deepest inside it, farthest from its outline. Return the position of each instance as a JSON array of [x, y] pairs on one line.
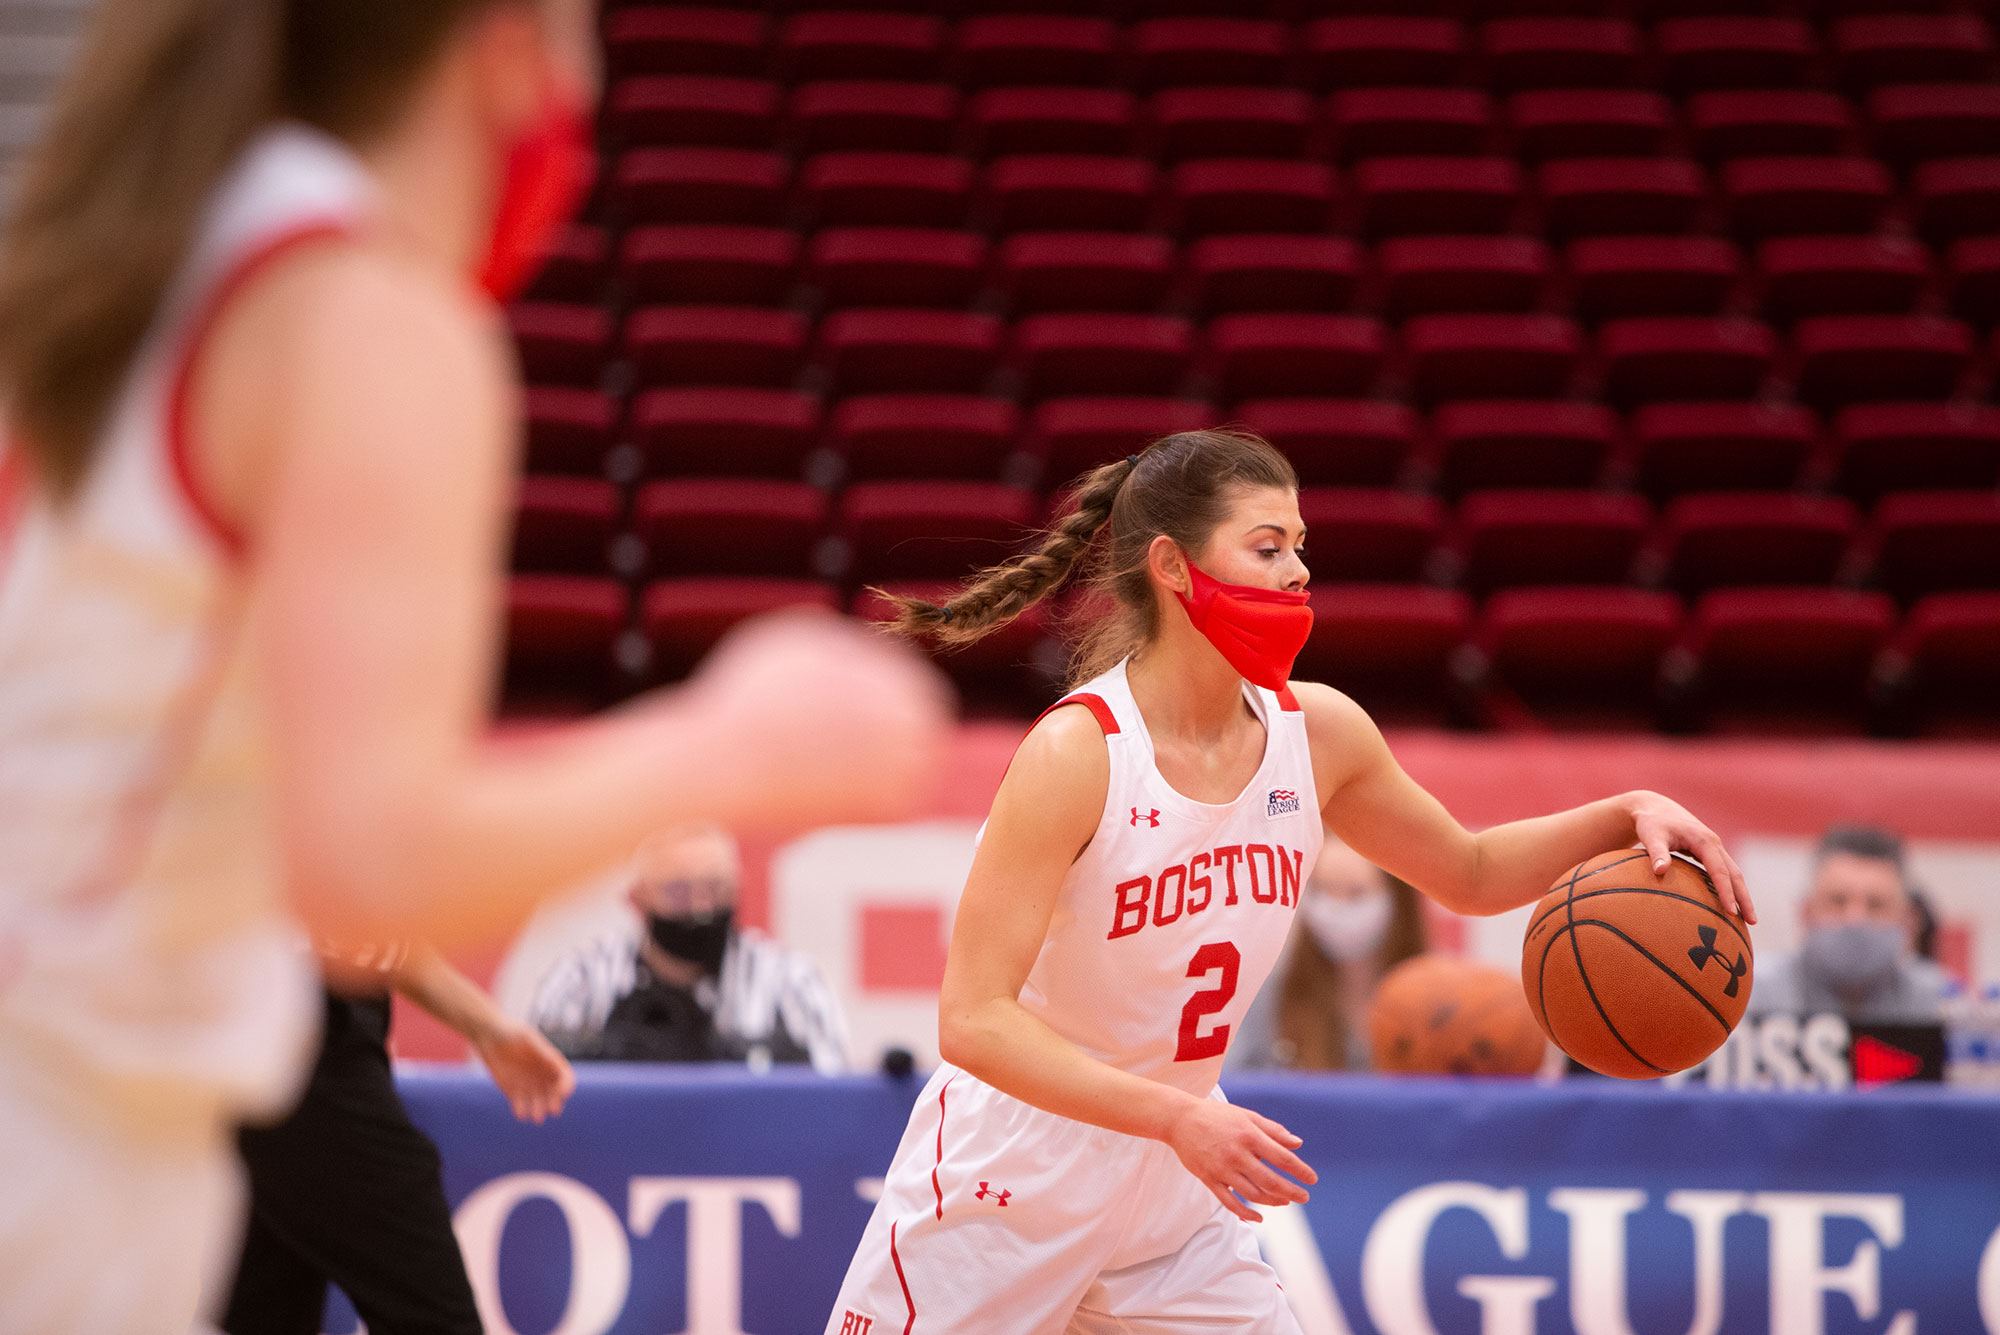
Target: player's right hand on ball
[[1237, 1154], [822, 718]]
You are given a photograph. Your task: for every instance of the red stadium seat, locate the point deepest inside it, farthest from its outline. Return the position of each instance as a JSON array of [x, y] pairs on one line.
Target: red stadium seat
[[1074, 435], [1105, 271], [886, 189], [1875, 49], [1733, 51], [1768, 122], [1071, 192], [1888, 447], [860, 46], [569, 430], [1726, 539], [1437, 195], [1053, 120], [1212, 122], [1491, 356], [1084, 353], [1589, 123], [729, 526], [700, 185], [1692, 447], [731, 432], [996, 50], [1269, 272], [1686, 357], [1230, 195], [855, 115], [1400, 122], [1847, 358], [1943, 663], [1508, 538], [1389, 646], [1974, 264], [1423, 275], [1921, 121], [660, 40], [1923, 542], [923, 435], [1772, 660], [693, 109], [1783, 196], [932, 530], [1842, 275], [715, 345], [1370, 533], [1395, 50], [1336, 442], [1560, 52], [896, 266], [562, 634], [1209, 51], [1285, 354], [1521, 443], [1618, 276], [561, 344], [1600, 196], [893, 351], [575, 267], [684, 618], [564, 525], [1575, 658], [1957, 197], [719, 265]]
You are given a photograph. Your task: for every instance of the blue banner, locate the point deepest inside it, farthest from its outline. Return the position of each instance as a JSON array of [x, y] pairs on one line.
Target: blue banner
[[713, 1202]]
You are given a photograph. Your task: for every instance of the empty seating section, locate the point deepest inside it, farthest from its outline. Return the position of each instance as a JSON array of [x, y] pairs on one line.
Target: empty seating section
[[1634, 360]]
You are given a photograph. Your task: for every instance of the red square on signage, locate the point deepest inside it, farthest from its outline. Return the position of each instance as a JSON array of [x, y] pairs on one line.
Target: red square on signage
[[902, 948]]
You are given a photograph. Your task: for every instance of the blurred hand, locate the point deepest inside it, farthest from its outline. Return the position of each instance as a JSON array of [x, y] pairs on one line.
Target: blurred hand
[[1235, 1153], [536, 1079], [824, 720], [1665, 827]]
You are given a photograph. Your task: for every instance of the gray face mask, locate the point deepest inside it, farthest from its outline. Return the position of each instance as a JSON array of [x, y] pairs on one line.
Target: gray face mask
[[1854, 957]]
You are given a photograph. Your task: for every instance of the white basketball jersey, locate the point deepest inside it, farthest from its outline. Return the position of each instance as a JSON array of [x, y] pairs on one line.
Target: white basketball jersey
[[1172, 918], [143, 943]]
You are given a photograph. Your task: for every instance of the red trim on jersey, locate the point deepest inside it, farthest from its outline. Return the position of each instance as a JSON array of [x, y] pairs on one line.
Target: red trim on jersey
[[180, 460], [940, 1149], [1095, 704], [1287, 701], [908, 1301]]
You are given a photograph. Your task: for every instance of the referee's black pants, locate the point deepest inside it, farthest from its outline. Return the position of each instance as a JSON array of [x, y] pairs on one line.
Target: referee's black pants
[[348, 1190]]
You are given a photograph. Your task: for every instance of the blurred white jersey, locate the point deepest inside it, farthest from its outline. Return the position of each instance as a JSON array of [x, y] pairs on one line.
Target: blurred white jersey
[[144, 952], [1171, 919]]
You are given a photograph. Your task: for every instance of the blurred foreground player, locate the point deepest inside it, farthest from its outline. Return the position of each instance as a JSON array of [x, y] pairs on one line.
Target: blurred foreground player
[[261, 427], [346, 1189], [1072, 1165]]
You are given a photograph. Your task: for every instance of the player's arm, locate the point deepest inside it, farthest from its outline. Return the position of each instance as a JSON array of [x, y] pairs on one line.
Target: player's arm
[[1047, 809], [536, 1079], [1380, 812]]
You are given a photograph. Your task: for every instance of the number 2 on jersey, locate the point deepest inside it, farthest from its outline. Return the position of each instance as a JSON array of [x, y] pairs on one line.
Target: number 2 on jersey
[[1194, 1045]]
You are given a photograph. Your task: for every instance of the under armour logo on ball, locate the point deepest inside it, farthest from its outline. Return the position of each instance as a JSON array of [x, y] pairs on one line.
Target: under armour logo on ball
[[1706, 951], [1151, 817]]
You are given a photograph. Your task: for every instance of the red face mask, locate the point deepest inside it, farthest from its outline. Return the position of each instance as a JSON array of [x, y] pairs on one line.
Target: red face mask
[[1259, 631], [547, 172]]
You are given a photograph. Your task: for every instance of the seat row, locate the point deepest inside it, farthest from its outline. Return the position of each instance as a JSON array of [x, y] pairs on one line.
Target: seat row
[[1811, 659], [1342, 51]]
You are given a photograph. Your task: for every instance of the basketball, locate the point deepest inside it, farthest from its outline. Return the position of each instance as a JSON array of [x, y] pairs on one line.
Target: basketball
[[1636, 975], [1435, 1015]]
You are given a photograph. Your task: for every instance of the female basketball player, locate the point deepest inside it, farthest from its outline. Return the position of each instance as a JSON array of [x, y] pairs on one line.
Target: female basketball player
[[261, 422], [1072, 1166]]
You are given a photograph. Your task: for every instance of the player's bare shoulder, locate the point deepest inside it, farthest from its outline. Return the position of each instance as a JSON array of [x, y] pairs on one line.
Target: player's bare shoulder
[[1056, 787], [1342, 736]]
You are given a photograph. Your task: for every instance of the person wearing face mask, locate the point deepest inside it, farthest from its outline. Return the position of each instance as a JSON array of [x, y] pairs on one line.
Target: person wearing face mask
[[1858, 953], [1355, 923], [688, 984]]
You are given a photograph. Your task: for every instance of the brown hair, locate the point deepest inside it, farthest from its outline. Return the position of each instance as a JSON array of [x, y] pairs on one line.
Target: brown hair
[[164, 97], [1311, 1022], [1178, 486]]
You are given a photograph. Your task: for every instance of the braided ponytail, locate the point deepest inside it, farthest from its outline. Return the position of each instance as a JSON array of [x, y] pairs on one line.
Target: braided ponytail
[[998, 594]]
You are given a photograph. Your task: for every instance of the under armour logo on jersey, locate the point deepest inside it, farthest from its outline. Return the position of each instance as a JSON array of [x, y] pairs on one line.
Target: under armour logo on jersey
[[986, 1190], [1706, 951], [1151, 817]]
